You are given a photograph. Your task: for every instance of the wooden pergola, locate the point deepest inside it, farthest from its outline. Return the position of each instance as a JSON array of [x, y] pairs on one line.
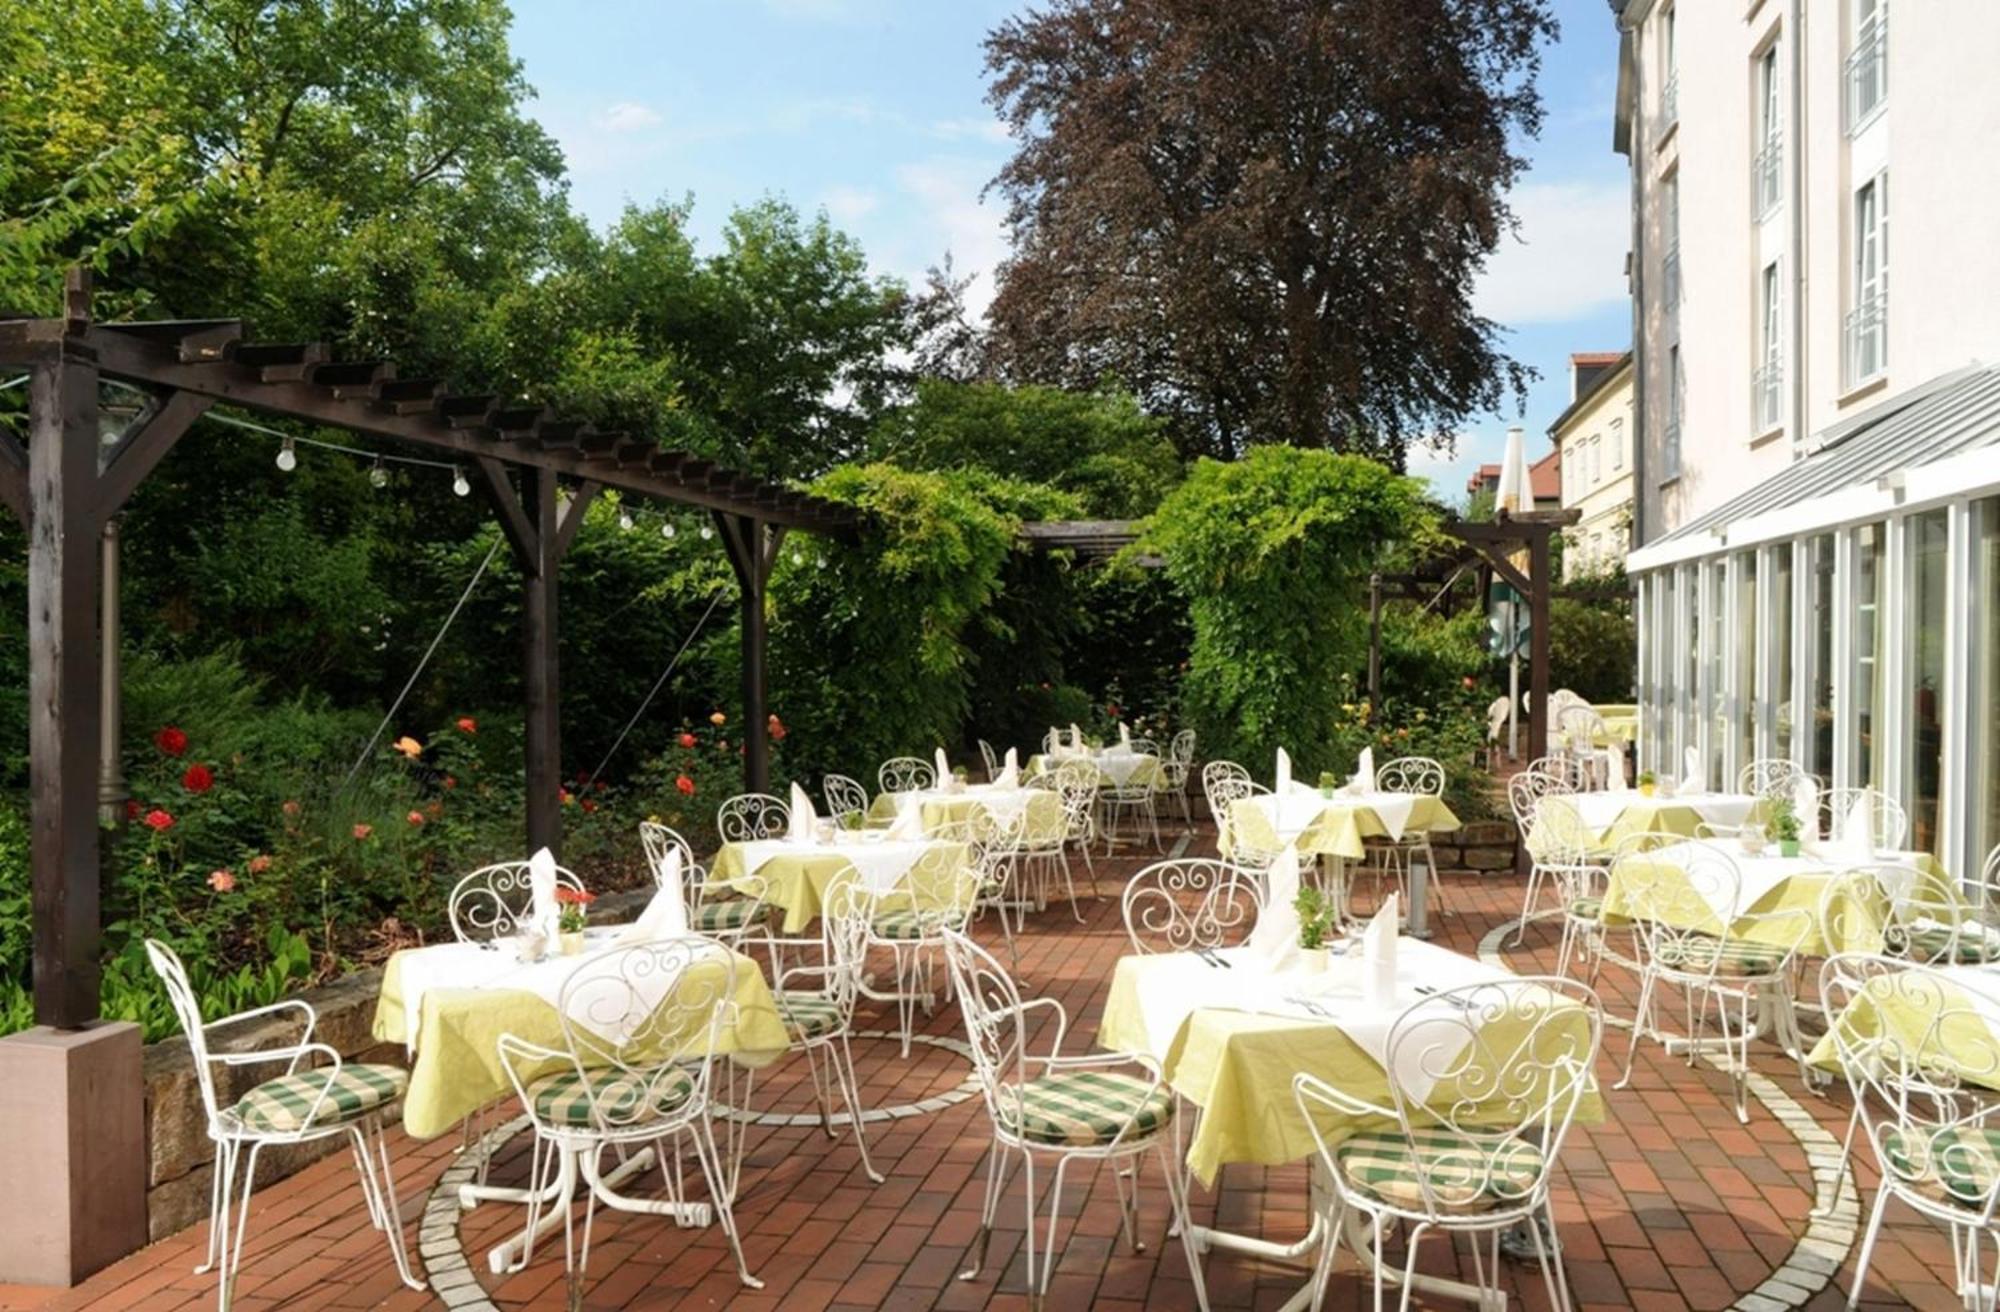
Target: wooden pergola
[[66, 485]]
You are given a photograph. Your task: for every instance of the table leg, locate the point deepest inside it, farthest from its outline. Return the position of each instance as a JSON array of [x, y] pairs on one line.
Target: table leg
[[1418, 924], [556, 1200]]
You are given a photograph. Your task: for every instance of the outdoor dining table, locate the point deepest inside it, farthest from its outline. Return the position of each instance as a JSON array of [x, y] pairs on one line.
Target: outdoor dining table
[[1620, 725], [1337, 826], [1229, 1041], [1770, 885], [798, 874], [1613, 815], [957, 810], [1115, 767], [449, 1003], [1967, 1011]]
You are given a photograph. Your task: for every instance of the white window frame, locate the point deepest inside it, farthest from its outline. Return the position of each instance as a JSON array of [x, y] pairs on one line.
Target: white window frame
[[1867, 64], [1617, 445], [1767, 190], [1868, 272], [1670, 436], [1767, 378]]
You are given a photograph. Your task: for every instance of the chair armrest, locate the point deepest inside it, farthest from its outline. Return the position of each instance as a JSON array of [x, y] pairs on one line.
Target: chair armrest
[[1340, 1099], [299, 1005], [822, 973], [290, 1054], [1062, 1023]]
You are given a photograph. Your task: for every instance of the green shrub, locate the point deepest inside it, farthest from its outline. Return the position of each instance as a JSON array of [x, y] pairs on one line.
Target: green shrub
[[1593, 650]]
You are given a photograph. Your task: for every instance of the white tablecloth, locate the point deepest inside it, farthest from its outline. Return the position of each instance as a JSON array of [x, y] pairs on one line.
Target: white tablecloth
[[881, 864], [1299, 810]]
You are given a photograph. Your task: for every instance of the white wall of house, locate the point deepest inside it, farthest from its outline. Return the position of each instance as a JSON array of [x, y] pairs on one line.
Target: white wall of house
[[1595, 439]]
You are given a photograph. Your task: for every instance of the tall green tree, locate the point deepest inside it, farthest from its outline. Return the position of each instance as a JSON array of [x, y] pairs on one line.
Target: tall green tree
[[1266, 217]]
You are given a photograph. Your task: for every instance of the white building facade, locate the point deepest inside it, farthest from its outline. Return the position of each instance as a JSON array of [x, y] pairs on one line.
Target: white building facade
[[1593, 439], [1816, 270]]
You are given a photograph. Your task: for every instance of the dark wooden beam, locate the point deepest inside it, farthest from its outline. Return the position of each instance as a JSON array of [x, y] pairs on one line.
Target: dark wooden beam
[[14, 477], [356, 381], [752, 550], [572, 516], [142, 448], [465, 411], [192, 340], [64, 703], [279, 362], [515, 525]]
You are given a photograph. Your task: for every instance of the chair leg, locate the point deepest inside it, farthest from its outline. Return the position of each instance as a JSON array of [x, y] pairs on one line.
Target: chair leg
[[711, 1167], [218, 1201], [1028, 1236], [381, 1193], [1528, 903], [842, 1059], [1868, 1245], [1039, 1288], [996, 1179], [1177, 1199], [1639, 1020], [1551, 1254], [232, 1259]]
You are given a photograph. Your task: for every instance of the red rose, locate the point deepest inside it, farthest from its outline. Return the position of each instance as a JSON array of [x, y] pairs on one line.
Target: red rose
[[686, 785], [158, 820], [574, 897], [563, 796], [416, 817], [687, 740], [259, 864], [589, 805], [450, 782], [132, 808], [171, 740], [466, 724], [290, 808], [221, 881], [361, 832], [198, 779]]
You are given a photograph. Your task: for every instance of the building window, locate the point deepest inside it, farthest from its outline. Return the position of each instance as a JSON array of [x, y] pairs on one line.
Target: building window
[[1766, 180], [1715, 674], [1870, 621], [1596, 461], [1670, 230], [1929, 542], [1670, 76], [1617, 445], [1768, 381], [1745, 708], [1984, 683], [1819, 591], [1867, 71], [1780, 662], [1868, 321], [1670, 439]]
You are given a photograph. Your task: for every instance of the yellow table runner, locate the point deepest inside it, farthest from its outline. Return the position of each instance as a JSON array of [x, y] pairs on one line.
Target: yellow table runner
[[800, 881], [1339, 830], [1237, 1066], [458, 1069]]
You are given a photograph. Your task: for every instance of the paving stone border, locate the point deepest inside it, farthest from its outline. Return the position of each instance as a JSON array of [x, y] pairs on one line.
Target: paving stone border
[[451, 1274], [1836, 1215]]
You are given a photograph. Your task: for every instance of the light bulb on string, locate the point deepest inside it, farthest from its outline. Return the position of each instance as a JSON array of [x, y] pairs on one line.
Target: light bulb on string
[[288, 456], [819, 562], [624, 519], [706, 532], [798, 558], [378, 475], [667, 529], [460, 485]]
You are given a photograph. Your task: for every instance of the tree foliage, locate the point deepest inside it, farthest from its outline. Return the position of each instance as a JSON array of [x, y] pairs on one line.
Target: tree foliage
[[1265, 218], [1273, 553]]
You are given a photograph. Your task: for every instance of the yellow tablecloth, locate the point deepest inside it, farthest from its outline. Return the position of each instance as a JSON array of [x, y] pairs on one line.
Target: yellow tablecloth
[[458, 1069], [1765, 921], [1237, 1066], [1621, 725], [1146, 773], [1967, 1042], [1340, 828], [1045, 821], [1657, 815], [799, 881]]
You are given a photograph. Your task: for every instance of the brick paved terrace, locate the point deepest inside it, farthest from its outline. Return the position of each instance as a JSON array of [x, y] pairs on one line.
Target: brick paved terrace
[[1669, 1204]]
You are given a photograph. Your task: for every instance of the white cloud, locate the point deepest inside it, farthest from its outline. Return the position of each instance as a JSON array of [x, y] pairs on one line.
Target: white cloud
[[952, 218], [629, 116], [847, 204], [1569, 259], [970, 129]]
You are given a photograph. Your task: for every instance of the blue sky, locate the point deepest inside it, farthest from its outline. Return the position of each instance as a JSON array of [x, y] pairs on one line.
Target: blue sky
[[875, 111]]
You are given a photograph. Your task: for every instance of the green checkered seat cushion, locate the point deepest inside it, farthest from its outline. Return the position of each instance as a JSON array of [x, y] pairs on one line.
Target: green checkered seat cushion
[[809, 1014], [1466, 1177], [1698, 954], [1587, 908], [1939, 943], [1086, 1109], [283, 1105], [729, 914], [1959, 1165], [567, 1098], [906, 925]]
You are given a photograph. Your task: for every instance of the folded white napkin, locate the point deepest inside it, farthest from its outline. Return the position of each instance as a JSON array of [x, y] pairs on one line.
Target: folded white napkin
[[1010, 772], [1283, 783], [666, 916], [1364, 777], [1614, 768], [1694, 779], [803, 816], [1805, 804], [1075, 737], [542, 890], [1274, 940], [1125, 735], [1378, 952], [909, 821], [943, 767], [1857, 828]]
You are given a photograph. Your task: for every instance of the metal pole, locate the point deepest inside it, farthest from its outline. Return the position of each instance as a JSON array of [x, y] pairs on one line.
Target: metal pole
[[1375, 640], [111, 789]]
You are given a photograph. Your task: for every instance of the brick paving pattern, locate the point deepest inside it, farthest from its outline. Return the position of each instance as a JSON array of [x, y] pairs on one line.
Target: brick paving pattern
[[1671, 1204]]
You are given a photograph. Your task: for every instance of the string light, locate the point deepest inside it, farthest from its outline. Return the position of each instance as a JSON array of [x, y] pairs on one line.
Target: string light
[[624, 519], [460, 485], [706, 532], [378, 476], [288, 456], [667, 528]]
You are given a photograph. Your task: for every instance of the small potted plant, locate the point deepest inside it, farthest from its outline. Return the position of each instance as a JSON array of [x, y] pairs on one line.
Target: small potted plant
[[1318, 919], [959, 776], [1329, 783], [1647, 781], [1785, 825], [572, 912]]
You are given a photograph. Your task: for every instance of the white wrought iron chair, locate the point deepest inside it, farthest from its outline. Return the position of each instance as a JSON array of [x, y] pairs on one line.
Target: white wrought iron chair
[[731, 914], [1191, 904], [1225, 783], [906, 774], [1578, 727], [1176, 767], [938, 893], [1075, 782], [1498, 713], [640, 1029], [818, 1019], [752, 817], [845, 797], [1564, 852], [497, 901], [1918, 1085], [1771, 777], [1695, 935], [304, 1104], [989, 759], [1559, 766], [1393, 856], [1005, 846], [1888, 821], [1525, 792], [1132, 795], [1082, 1108], [1481, 1111]]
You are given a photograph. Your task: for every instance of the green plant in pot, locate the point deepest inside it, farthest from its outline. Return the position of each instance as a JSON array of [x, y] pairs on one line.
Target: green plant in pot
[[1319, 921], [1647, 780], [1328, 783], [1785, 825]]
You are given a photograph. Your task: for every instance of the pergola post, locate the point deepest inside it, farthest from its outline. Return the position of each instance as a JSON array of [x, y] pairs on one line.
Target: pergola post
[[752, 546], [541, 681]]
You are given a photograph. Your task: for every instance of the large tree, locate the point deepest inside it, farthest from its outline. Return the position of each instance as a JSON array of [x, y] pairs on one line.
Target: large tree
[[1265, 217]]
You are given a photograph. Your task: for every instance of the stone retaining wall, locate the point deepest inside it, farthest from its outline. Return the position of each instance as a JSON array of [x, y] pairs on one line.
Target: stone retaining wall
[[1482, 847]]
